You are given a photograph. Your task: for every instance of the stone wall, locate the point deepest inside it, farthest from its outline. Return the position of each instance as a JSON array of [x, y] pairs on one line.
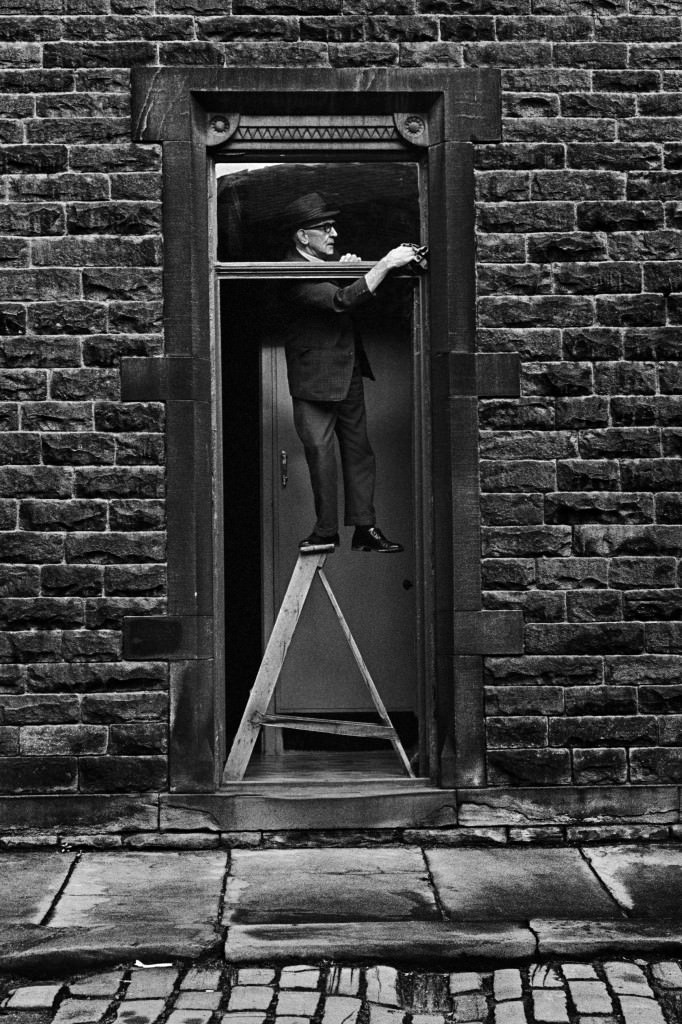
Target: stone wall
[[579, 270]]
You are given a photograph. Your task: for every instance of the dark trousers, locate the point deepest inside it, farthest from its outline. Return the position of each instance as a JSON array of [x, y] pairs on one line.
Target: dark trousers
[[316, 424]]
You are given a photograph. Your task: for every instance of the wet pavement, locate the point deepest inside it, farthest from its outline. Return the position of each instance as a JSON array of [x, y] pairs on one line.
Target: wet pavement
[[405, 905], [616, 991]]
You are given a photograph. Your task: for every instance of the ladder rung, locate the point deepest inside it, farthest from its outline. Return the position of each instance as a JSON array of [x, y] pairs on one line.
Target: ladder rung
[[329, 725]]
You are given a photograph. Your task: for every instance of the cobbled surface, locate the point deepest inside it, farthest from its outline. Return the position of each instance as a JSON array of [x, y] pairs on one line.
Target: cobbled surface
[[605, 992]]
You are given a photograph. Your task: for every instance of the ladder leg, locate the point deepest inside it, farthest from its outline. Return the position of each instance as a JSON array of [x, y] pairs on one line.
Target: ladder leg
[[271, 665], [364, 672]]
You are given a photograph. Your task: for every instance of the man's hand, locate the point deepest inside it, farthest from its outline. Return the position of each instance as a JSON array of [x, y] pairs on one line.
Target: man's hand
[[349, 257], [393, 260], [399, 257]]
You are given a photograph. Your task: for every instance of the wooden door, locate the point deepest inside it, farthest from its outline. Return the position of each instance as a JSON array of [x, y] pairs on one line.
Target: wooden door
[[376, 592]]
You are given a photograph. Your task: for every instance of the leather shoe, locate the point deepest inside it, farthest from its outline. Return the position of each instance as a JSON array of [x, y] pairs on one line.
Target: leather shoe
[[310, 544], [370, 538]]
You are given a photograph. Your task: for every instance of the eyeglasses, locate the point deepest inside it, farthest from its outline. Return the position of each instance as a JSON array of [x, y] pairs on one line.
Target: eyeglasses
[[327, 227]]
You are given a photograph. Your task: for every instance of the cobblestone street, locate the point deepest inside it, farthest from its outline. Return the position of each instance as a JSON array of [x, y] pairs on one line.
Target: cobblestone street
[[606, 992]]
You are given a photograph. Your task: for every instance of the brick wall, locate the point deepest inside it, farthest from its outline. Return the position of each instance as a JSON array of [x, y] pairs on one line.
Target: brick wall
[[580, 270]]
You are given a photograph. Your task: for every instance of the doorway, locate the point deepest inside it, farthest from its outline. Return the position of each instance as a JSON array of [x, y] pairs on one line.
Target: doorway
[[267, 496]]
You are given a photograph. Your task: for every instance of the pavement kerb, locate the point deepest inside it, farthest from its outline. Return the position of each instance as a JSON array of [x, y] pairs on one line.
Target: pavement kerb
[[34, 950], [414, 945]]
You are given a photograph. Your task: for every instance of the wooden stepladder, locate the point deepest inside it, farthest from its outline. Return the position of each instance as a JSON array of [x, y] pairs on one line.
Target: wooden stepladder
[[256, 712]]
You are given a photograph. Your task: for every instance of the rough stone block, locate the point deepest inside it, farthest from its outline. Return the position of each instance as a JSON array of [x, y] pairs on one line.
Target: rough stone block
[[598, 507], [136, 515], [543, 311], [652, 475], [627, 540], [584, 638], [520, 731], [529, 767], [656, 764], [594, 606], [129, 417], [544, 671], [64, 581], [665, 699], [83, 449], [511, 509], [588, 475], [535, 606], [41, 740], [600, 766], [31, 547], [32, 709], [526, 541], [133, 482], [38, 774], [57, 416], [524, 475], [124, 707], [601, 700], [114, 548], [110, 774], [54, 516], [508, 573], [524, 700], [504, 413], [527, 444], [600, 730]]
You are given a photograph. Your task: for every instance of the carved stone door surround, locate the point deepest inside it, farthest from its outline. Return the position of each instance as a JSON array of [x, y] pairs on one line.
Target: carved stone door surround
[[193, 113]]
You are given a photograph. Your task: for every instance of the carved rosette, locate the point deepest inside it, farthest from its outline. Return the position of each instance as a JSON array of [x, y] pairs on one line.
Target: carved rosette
[[413, 128]]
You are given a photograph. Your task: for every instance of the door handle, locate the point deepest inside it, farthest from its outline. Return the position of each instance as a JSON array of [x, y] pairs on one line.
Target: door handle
[[283, 468]]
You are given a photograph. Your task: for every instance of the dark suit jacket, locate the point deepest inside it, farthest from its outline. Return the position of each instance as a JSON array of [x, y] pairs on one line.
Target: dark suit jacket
[[321, 341]]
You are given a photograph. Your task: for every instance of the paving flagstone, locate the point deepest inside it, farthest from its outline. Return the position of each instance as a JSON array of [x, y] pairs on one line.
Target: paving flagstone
[[381, 986], [81, 1011], [202, 979], [250, 997], [297, 1003], [154, 983], [667, 974], [170, 889], [646, 880], [507, 984], [106, 984], [516, 884], [341, 1010], [291, 886], [344, 981], [33, 997], [299, 977], [36, 878], [140, 1011]]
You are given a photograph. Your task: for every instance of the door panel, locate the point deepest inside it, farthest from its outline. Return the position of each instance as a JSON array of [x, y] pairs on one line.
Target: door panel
[[375, 592]]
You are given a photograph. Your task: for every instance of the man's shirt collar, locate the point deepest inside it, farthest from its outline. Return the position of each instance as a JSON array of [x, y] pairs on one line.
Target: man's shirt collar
[[309, 257]]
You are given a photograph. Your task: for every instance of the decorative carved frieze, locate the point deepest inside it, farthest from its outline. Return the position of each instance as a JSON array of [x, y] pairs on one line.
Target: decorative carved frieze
[[383, 131]]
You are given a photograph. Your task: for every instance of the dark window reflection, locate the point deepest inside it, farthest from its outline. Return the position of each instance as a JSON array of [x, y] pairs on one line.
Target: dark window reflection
[[379, 206]]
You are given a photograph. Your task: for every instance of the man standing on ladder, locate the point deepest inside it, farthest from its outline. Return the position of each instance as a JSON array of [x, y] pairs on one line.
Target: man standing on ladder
[[326, 362]]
